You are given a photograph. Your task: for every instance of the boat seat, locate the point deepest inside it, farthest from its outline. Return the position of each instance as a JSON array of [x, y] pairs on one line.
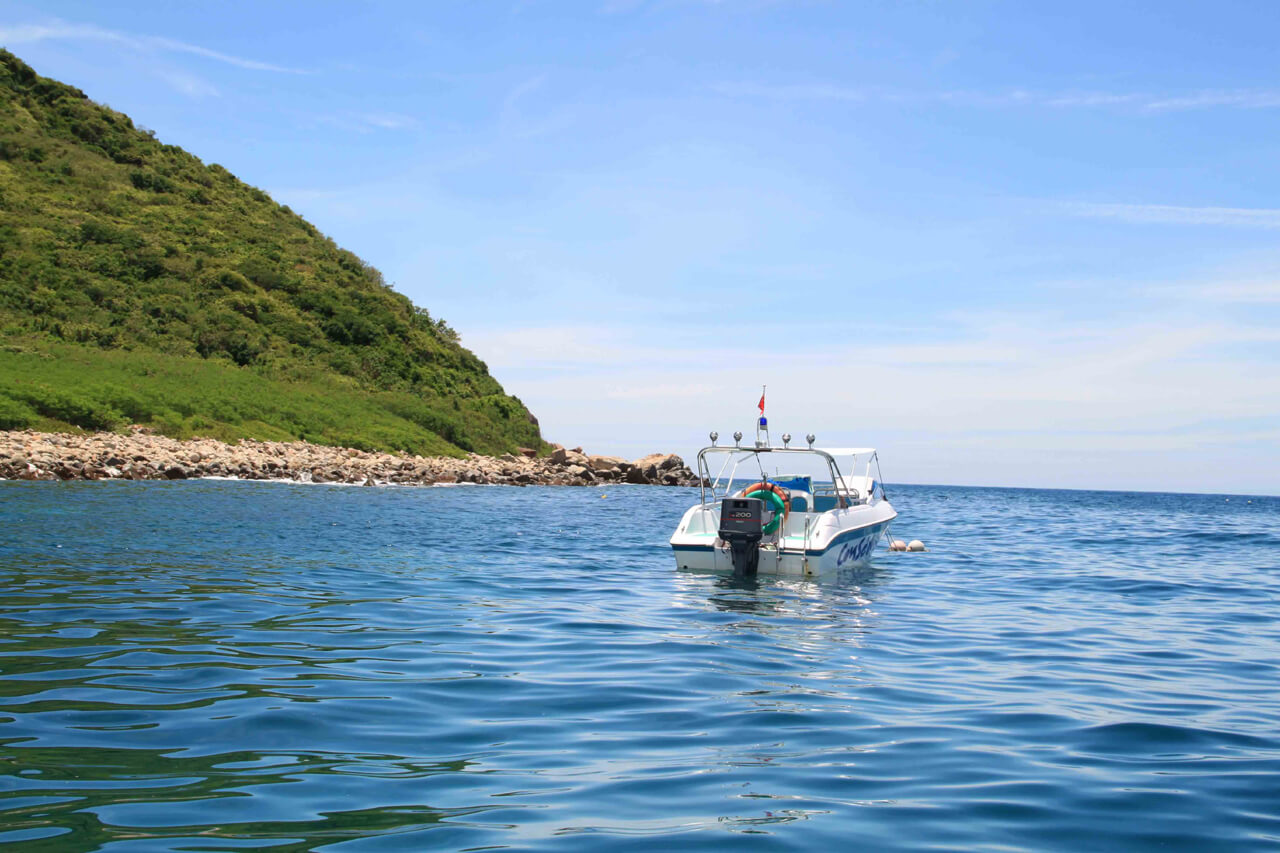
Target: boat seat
[[799, 502], [826, 503]]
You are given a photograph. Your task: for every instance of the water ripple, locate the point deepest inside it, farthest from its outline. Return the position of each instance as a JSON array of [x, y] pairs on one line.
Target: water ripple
[[221, 666]]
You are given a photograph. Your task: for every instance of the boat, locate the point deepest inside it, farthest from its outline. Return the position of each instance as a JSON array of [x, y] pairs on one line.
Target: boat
[[815, 520]]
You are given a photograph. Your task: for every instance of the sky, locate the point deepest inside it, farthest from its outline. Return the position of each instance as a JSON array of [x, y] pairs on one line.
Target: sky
[[1005, 243]]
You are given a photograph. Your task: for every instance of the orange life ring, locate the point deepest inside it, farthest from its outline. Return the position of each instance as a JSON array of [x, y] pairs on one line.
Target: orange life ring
[[783, 495]]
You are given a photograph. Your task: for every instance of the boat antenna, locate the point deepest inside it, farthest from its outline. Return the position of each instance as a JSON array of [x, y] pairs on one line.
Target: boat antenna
[[881, 476]]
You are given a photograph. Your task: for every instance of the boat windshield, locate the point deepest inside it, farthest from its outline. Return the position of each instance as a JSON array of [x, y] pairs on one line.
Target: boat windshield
[[725, 470]]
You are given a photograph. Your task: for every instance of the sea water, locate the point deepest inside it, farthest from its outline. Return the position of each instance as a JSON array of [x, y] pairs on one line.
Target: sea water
[[234, 666]]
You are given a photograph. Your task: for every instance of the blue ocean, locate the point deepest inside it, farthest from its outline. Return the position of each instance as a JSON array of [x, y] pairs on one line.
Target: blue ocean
[[231, 666]]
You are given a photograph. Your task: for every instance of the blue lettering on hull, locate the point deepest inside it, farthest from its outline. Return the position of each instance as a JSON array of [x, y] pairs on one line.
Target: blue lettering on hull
[[852, 552]]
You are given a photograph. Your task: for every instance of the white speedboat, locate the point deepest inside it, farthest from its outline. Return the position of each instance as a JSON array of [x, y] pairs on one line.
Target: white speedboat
[[807, 518]]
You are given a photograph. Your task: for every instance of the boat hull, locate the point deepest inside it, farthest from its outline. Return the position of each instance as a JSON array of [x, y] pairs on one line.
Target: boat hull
[[840, 543]]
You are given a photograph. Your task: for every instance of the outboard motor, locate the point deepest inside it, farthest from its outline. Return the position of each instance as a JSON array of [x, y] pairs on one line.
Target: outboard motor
[[741, 525]]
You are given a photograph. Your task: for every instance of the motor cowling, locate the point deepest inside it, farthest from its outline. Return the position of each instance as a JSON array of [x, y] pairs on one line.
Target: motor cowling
[[742, 526]]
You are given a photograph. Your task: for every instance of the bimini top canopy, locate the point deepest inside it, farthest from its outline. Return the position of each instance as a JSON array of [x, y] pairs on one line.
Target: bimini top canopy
[[830, 451]]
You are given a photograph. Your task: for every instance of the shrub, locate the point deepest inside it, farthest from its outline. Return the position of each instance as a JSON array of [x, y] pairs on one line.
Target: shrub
[[348, 327], [74, 409], [93, 231], [229, 280], [260, 272], [15, 414], [151, 181]]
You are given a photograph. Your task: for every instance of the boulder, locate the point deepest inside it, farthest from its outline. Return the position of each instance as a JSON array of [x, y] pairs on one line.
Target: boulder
[[663, 461], [561, 456], [605, 463], [143, 456]]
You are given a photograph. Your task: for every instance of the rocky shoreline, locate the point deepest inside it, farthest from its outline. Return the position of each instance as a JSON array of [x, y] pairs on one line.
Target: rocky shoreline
[[141, 455]]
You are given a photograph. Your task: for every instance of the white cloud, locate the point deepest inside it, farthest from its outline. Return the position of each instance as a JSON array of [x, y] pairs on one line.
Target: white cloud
[[388, 121], [189, 84], [618, 7], [1090, 99], [64, 31], [1167, 214], [1257, 291], [1141, 101], [1145, 102], [665, 391], [793, 92], [575, 348], [1015, 399], [518, 122], [1253, 99], [361, 122]]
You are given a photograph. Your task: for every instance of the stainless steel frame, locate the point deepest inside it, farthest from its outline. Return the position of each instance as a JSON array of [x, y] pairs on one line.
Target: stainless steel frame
[[839, 487]]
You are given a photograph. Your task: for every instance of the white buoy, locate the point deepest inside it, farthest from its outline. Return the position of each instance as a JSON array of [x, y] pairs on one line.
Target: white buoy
[[897, 545], [915, 545]]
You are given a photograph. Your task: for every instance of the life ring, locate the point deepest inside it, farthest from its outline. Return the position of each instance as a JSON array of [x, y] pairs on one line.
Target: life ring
[[778, 497]]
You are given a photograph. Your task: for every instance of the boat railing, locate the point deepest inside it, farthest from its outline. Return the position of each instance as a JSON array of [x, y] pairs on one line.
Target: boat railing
[[721, 486]]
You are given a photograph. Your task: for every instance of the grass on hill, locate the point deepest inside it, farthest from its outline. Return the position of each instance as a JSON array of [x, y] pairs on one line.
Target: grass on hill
[[141, 269], [66, 388]]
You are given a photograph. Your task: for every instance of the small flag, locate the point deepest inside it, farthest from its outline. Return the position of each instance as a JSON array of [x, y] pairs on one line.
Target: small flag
[[762, 402]]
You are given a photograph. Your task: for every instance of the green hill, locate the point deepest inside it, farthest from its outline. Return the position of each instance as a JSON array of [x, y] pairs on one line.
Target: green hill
[[139, 285]]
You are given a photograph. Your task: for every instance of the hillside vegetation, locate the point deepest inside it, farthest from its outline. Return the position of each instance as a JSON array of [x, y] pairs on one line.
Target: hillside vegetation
[[140, 285]]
